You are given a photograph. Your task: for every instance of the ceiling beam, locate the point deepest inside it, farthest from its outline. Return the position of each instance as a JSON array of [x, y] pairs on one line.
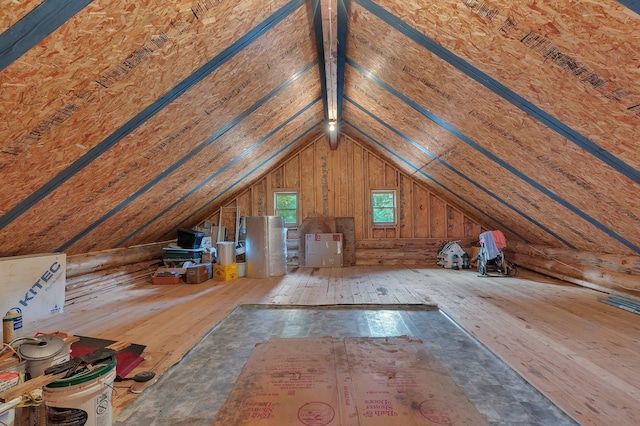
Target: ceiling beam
[[329, 13]]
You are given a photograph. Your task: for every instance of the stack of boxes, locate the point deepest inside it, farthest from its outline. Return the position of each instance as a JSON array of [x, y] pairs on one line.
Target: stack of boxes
[[192, 239], [185, 260]]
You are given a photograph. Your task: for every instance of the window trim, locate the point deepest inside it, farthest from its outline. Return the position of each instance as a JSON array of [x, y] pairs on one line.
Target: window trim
[[394, 192], [275, 204]]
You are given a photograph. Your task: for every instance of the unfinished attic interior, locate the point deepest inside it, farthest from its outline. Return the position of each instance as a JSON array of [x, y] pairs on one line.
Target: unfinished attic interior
[[125, 123]]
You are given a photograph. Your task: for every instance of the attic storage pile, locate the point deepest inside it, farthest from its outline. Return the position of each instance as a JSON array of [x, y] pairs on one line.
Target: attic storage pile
[[203, 253], [191, 258]]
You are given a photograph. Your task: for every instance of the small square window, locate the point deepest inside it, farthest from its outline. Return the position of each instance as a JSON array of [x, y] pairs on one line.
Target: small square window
[[383, 207], [286, 205]]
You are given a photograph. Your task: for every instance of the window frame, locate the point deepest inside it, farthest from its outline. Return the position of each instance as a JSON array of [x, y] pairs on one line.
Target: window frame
[[394, 193], [297, 209]]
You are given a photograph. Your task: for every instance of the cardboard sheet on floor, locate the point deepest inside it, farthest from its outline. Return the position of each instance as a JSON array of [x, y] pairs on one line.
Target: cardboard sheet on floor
[[352, 381]]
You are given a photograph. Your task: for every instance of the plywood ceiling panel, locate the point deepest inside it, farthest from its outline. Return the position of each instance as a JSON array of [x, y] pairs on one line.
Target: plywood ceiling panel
[[480, 119], [13, 11], [124, 58], [120, 121]]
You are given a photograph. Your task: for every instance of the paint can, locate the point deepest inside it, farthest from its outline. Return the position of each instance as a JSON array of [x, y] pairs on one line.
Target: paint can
[[83, 399], [11, 325]]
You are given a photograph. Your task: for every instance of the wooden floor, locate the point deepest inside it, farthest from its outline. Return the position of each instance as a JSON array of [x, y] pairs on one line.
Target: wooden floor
[[582, 354]]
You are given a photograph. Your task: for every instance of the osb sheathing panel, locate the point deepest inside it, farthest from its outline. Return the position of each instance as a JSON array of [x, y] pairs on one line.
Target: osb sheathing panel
[[450, 180], [196, 207], [592, 98], [496, 125], [230, 158], [485, 175], [176, 130], [11, 11], [77, 74], [91, 47]]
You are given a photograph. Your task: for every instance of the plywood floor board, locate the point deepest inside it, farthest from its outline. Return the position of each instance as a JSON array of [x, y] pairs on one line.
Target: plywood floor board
[[537, 325]]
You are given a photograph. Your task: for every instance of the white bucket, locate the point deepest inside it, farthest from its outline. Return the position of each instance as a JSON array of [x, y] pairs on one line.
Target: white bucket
[[83, 399], [226, 252], [242, 269]]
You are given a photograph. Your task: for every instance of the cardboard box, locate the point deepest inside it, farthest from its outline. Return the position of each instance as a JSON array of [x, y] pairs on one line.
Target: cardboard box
[[356, 381], [8, 379], [323, 250], [225, 272], [198, 273], [168, 275], [208, 255], [165, 279]]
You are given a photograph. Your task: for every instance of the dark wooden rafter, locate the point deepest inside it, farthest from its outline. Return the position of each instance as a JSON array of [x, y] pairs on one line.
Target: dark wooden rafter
[[330, 20]]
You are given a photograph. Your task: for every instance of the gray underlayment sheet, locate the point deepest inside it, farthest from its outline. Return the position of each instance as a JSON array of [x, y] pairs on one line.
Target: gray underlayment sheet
[[192, 391]]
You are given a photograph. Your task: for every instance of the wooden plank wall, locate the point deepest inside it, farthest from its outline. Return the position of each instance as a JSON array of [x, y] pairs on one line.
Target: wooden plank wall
[[89, 274], [600, 271], [337, 183]]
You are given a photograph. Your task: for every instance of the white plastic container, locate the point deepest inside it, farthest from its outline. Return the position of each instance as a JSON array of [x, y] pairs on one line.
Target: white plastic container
[[84, 399], [242, 269]]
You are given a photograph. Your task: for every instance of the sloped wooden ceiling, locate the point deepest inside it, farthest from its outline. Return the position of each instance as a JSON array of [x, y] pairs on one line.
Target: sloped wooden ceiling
[[525, 112], [130, 119], [121, 122]]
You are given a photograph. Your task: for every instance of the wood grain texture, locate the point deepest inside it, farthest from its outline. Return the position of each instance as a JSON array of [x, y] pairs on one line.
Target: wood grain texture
[[422, 214], [587, 80], [474, 188], [594, 270], [576, 351], [526, 146], [12, 11], [235, 165], [99, 100], [491, 139], [150, 38]]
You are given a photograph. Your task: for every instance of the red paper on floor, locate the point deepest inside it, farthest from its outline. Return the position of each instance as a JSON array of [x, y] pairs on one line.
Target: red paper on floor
[[126, 359]]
